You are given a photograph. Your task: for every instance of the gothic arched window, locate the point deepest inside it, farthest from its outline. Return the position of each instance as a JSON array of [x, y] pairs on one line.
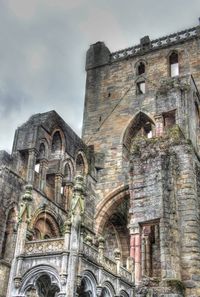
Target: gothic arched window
[[56, 143], [80, 164], [141, 68]]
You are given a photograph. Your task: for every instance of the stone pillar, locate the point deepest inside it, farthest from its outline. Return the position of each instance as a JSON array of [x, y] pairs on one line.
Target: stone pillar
[[68, 186], [77, 212], [101, 248], [159, 129], [58, 185], [42, 174], [132, 246], [32, 153], [23, 220], [136, 239], [143, 252], [148, 256], [65, 256], [117, 255]]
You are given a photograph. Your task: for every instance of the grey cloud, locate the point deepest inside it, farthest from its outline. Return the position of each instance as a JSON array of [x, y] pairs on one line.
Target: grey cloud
[[43, 47]]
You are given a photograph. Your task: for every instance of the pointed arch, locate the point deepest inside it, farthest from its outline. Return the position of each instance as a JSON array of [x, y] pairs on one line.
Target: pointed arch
[[88, 284], [31, 277], [108, 289], [45, 224], [140, 124], [68, 170], [173, 62], [106, 207], [57, 142], [81, 163]]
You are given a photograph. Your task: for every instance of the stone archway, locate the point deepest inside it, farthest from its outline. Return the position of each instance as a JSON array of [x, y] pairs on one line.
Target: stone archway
[[40, 281], [88, 285], [111, 222]]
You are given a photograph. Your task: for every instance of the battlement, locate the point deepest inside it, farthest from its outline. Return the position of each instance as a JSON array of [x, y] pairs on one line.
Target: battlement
[[156, 44], [99, 55]]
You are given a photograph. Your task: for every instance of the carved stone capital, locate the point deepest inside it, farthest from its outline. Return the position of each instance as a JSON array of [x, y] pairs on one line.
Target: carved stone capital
[[17, 282], [99, 291]]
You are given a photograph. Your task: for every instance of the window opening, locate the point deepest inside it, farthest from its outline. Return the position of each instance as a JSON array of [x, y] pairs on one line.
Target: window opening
[[141, 87], [80, 166], [42, 151], [141, 68], [169, 119], [174, 65], [56, 142], [37, 167]]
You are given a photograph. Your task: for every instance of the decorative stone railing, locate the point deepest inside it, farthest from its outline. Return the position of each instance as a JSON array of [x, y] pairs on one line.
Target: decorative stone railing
[[157, 43], [46, 246], [90, 252], [125, 274], [109, 264]]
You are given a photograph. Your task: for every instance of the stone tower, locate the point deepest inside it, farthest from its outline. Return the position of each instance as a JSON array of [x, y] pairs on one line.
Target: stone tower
[[116, 213]]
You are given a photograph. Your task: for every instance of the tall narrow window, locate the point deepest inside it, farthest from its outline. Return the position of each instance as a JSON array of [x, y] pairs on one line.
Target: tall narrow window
[[56, 143], [141, 87], [141, 68], [42, 151], [174, 65], [80, 166]]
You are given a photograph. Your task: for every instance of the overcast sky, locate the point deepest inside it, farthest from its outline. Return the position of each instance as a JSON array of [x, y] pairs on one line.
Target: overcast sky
[[43, 45]]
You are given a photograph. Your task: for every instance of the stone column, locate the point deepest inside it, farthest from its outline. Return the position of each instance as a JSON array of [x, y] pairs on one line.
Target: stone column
[[32, 153], [23, 220], [159, 129], [77, 213], [101, 248], [58, 185], [136, 238], [143, 252], [42, 174], [117, 255], [68, 186]]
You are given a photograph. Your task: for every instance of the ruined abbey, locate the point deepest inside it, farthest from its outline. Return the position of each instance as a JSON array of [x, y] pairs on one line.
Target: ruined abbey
[[115, 213]]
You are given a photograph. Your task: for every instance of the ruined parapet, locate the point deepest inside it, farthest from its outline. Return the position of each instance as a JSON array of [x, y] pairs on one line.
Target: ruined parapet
[[97, 55]]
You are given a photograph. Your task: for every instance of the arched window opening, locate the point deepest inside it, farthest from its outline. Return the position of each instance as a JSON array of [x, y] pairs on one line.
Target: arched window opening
[[67, 173], [80, 165], [84, 290], [66, 188], [23, 163], [43, 287], [174, 64], [116, 233], [141, 68], [140, 126], [56, 143], [141, 88], [45, 227], [9, 236], [41, 151], [50, 186], [105, 293]]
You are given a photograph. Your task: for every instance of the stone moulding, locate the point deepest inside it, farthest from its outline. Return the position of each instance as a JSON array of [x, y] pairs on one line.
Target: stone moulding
[[44, 246], [158, 43]]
